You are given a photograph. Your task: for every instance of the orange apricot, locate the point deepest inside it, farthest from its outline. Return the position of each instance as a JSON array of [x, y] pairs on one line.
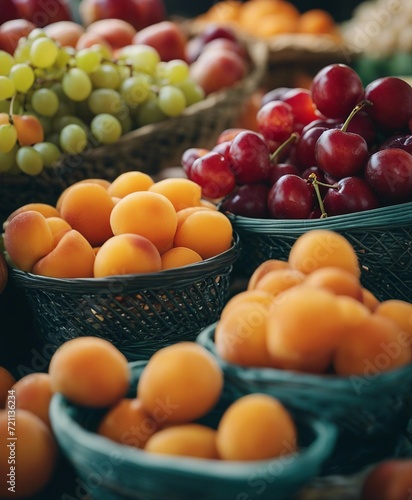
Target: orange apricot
[[43, 208], [323, 248], [34, 455], [7, 380], [265, 267], [179, 257], [58, 227], [304, 328], [183, 214], [353, 311], [207, 232], [27, 238], [260, 297], [101, 182], [337, 280], [256, 427], [276, 282], [130, 182], [187, 440], [33, 393], [128, 423], [180, 383], [183, 193], [240, 335], [373, 346], [89, 371], [317, 22], [87, 207], [126, 254], [369, 299], [398, 311], [146, 214], [72, 257]]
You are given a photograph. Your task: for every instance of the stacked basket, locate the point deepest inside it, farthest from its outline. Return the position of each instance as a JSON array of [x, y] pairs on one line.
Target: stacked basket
[[149, 148], [382, 239], [138, 313], [136, 474]]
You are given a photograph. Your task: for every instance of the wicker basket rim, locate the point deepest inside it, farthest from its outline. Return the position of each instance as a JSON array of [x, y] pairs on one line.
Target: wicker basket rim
[[62, 423], [339, 385], [387, 217], [175, 277]]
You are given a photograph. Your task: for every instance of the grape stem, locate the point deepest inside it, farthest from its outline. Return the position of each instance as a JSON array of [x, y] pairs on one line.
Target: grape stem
[[294, 136], [357, 108], [11, 121]]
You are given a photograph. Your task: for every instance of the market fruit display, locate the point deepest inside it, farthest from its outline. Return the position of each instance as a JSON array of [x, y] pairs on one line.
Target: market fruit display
[[67, 89], [93, 231], [336, 148], [312, 315]]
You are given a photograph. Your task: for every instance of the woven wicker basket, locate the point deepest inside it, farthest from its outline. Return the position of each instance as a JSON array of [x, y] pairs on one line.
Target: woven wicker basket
[[382, 239], [135, 474], [139, 314], [149, 148], [363, 405]]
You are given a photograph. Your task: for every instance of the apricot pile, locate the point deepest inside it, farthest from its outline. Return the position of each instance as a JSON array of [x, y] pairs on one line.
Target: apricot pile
[[312, 314], [268, 18], [130, 225], [181, 384]]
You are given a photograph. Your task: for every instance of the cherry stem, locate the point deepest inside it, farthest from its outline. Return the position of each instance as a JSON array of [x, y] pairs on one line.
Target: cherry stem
[[357, 108], [315, 183], [294, 136]]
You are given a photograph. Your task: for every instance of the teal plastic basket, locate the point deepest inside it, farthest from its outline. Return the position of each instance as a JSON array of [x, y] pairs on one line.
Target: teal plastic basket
[[138, 313], [382, 239], [111, 471]]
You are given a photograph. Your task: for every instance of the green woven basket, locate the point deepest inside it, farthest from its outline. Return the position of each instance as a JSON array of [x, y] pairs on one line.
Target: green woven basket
[[382, 239], [371, 412], [111, 471], [139, 314]]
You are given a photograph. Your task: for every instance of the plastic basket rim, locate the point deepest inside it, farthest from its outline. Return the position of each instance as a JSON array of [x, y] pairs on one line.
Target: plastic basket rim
[[377, 218], [338, 384], [177, 276], [63, 424]]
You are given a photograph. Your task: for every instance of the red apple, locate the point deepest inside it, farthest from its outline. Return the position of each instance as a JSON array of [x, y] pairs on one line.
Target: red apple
[[166, 37], [44, 12], [139, 13], [389, 480], [216, 69], [116, 32], [12, 31], [8, 11]]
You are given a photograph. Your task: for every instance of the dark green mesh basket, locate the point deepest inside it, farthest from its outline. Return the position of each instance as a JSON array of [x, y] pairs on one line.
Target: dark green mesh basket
[[367, 405], [137, 313], [112, 471], [382, 239]]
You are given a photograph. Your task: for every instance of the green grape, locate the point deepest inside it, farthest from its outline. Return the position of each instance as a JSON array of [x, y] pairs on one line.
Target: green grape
[[73, 139], [43, 52], [106, 128], [60, 122], [49, 152], [22, 52], [8, 160], [35, 34], [106, 76], [76, 84], [29, 160], [141, 57], [6, 62], [149, 112], [8, 137], [64, 56], [88, 60], [45, 102], [192, 91], [7, 88], [172, 101], [135, 89], [104, 101], [125, 120], [176, 71], [65, 108], [23, 77]]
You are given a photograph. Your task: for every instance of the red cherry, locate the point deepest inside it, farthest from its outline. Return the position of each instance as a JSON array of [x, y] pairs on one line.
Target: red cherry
[[352, 194], [249, 158], [290, 198], [212, 172], [249, 200]]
